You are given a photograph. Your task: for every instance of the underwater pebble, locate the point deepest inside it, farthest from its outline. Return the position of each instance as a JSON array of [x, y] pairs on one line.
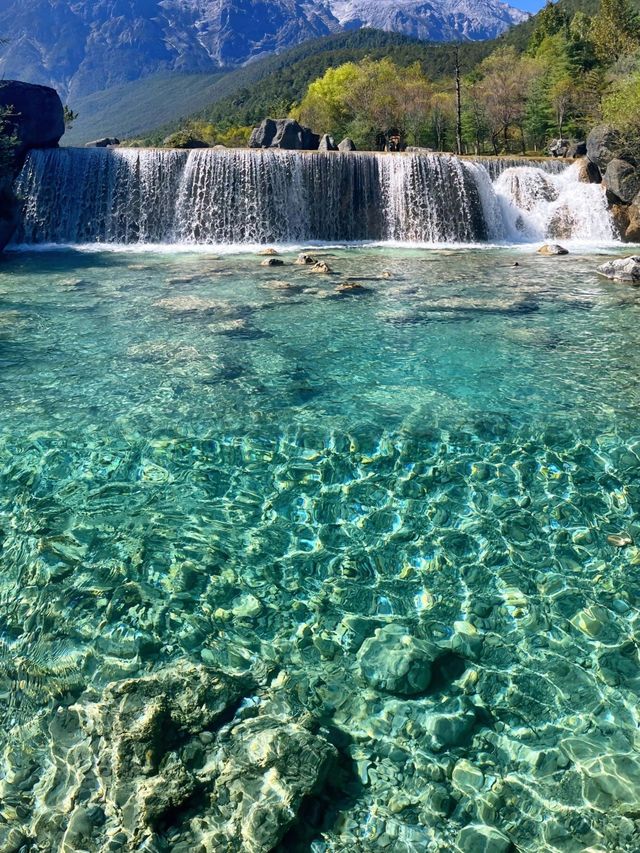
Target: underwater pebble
[[396, 662], [620, 540], [478, 838]]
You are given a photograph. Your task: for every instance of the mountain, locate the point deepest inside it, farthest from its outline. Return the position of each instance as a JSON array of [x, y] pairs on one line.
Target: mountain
[[86, 46], [437, 20]]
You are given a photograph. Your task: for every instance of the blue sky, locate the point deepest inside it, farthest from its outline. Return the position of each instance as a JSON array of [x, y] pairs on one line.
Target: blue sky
[[528, 5]]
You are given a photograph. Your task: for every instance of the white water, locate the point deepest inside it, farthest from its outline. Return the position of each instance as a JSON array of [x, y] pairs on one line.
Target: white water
[[536, 205], [139, 196]]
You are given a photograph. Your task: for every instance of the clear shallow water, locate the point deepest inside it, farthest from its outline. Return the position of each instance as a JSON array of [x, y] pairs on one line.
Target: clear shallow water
[[200, 463]]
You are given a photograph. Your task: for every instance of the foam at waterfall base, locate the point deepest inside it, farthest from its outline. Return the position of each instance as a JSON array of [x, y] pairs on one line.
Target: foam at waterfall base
[[240, 197]]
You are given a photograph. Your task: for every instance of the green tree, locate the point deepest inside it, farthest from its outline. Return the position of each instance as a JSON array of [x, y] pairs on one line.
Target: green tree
[[552, 19], [615, 30], [69, 117], [8, 142], [506, 81], [621, 108], [326, 106], [362, 99]]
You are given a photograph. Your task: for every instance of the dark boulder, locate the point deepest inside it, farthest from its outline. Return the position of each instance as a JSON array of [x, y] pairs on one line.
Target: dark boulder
[[9, 211], [347, 145], [284, 133], [327, 144], [105, 142], [262, 136], [622, 181], [36, 115], [577, 149], [35, 119], [604, 144]]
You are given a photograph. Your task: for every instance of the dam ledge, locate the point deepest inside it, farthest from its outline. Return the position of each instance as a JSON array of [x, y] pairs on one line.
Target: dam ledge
[[128, 195]]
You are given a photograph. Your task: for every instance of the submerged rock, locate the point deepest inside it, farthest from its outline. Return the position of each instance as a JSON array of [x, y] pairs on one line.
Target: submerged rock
[[622, 269], [269, 251], [396, 662], [552, 249], [478, 838], [321, 267], [263, 772], [272, 262], [620, 540], [305, 260], [188, 748], [351, 288]]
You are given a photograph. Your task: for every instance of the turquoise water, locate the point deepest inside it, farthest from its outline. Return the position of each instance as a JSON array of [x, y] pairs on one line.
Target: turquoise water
[[206, 460]]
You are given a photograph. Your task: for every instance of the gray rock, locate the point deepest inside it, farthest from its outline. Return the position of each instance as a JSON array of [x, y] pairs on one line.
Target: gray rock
[[38, 115], [559, 147], [603, 146], [284, 133], [622, 181], [262, 136], [347, 145], [396, 662], [552, 249], [327, 143], [105, 142], [478, 838], [622, 269]]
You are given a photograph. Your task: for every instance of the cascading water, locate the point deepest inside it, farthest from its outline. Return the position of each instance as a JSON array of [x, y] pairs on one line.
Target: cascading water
[[536, 205], [241, 196]]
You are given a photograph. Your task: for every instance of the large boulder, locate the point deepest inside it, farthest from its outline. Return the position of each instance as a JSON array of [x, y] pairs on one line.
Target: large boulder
[[262, 136], [604, 145], [284, 133], [37, 115], [622, 269], [347, 145], [622, 181]]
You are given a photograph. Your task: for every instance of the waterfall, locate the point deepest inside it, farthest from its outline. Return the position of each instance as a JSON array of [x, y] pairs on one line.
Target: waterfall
[[536, 205], [495, 166], [211, 196]]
